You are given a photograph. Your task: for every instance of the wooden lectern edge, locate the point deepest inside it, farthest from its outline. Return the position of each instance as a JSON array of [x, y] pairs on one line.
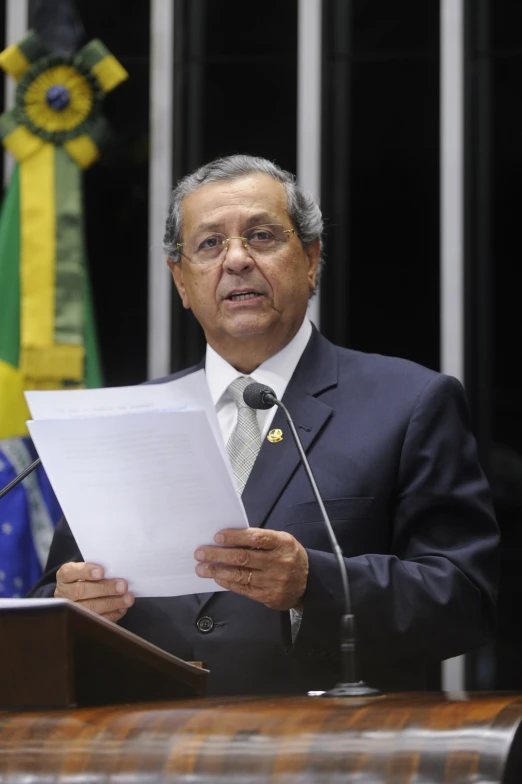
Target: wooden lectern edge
[[144, 644], [83, 660]]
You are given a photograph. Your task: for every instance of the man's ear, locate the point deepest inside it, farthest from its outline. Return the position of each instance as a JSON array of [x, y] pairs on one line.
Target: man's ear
[[313, 253], [177, 276]]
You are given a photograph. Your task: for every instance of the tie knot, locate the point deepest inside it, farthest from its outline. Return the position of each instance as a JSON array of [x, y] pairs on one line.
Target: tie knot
[[237, 388]]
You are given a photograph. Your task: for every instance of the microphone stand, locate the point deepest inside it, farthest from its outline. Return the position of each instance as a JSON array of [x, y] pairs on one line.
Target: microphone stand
[[351, 684], [20, 477]]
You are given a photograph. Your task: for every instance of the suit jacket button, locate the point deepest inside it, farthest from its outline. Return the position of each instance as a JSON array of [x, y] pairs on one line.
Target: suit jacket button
[[205, 624]]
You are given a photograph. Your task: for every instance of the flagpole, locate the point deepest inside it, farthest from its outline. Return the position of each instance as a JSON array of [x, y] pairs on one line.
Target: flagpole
[[309, 61], [160, 183], [452, 356]]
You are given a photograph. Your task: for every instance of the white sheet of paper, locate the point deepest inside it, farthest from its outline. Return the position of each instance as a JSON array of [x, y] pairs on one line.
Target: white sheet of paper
[[140, 491], [190, 391]]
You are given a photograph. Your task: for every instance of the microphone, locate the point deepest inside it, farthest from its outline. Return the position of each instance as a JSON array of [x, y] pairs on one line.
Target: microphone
[[20, 477], [260, 396]]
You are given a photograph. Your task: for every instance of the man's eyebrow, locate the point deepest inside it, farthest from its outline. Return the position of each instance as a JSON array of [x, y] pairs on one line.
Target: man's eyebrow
[[259, 218], [208, 227]]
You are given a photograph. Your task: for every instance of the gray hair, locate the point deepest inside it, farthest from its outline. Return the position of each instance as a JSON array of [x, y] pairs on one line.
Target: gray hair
[[302, 207]]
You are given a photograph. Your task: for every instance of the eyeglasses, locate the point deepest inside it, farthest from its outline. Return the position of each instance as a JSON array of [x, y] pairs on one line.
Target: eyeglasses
[[259, 241]]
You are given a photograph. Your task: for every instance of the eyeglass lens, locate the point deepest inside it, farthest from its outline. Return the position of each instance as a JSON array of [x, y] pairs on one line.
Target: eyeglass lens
[[260, 239]]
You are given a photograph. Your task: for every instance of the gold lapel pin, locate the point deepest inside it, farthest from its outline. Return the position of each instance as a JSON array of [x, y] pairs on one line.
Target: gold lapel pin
[[275, 435]]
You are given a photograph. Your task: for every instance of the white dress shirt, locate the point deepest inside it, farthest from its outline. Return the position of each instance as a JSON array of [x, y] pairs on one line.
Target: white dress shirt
[[276, 372]]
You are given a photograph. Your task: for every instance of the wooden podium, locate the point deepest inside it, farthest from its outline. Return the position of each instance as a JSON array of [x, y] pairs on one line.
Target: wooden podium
[[412, 737], [55, 654]]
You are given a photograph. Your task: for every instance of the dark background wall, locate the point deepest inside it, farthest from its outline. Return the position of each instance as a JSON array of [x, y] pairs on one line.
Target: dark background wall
[[380, 189], [117, 193], [494, 331]]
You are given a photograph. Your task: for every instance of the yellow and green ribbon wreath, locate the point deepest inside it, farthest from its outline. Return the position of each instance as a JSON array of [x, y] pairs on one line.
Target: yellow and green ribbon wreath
[[54, 131]]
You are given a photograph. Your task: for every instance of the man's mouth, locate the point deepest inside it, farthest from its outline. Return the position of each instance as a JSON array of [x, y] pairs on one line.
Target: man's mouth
[[243, 295]]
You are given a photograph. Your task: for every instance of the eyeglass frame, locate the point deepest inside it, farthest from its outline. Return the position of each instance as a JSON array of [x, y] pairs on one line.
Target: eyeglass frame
[[226, 241]]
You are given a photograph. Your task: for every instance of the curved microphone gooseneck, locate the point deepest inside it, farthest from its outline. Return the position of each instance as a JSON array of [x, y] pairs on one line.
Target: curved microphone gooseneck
[[20, 477], [260, 396]]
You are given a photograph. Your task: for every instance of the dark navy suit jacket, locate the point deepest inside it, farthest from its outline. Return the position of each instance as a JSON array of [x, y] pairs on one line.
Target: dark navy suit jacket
[[392, 451]]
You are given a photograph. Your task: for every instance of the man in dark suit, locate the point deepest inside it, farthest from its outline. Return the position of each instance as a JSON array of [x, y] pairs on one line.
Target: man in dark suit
[[389, 442]]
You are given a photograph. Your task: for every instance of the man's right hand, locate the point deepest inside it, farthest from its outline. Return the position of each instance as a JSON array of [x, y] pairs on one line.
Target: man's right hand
[[84, 584]]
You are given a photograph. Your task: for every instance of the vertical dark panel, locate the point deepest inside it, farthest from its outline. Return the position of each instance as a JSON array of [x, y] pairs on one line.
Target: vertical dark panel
[[494, 334], [380, 189], [478, 258], [336, 190], [478, 216], [187, 339], [116, 193], [235, 92], [196, 86]]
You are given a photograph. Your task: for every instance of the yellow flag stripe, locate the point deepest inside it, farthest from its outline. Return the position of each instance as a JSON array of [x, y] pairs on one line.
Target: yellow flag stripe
[[21, 143], [83, 150], [58, 362], [109, 72], [47, 384], [13, 411], [14, 61], [37, 249]]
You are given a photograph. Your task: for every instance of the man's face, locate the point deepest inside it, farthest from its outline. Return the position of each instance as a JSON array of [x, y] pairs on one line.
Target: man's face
[[281, 280]]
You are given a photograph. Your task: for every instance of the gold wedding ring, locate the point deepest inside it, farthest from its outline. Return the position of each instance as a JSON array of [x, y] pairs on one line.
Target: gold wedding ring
[[249, 577]]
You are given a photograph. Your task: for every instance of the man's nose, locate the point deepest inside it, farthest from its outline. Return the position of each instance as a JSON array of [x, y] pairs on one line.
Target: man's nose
[[237, 254]]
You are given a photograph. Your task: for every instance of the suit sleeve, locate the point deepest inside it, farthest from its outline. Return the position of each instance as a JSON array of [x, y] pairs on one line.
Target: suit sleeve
[[63, 550], [433, 594]]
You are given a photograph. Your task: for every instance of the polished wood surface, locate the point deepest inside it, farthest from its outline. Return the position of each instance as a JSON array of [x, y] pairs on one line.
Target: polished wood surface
[[396, 738], [57, 654]]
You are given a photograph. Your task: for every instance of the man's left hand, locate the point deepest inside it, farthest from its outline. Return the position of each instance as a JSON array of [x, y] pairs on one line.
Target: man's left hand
[[268, 566]]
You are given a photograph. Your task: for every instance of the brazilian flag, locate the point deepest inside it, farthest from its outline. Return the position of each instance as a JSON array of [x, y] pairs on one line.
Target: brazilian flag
[[53, 306], [47, 335]]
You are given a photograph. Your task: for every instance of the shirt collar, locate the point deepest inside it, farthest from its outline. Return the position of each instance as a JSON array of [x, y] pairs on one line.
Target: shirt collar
[[276, 371]]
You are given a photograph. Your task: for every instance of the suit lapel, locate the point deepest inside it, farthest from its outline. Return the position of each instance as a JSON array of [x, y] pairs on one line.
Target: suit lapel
[[277, 462]]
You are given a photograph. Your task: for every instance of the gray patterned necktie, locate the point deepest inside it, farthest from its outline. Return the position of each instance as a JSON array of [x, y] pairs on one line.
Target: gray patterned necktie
[[245, 442]]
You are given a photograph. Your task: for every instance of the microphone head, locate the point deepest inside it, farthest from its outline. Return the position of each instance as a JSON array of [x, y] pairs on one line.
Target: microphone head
[[259, 396]]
